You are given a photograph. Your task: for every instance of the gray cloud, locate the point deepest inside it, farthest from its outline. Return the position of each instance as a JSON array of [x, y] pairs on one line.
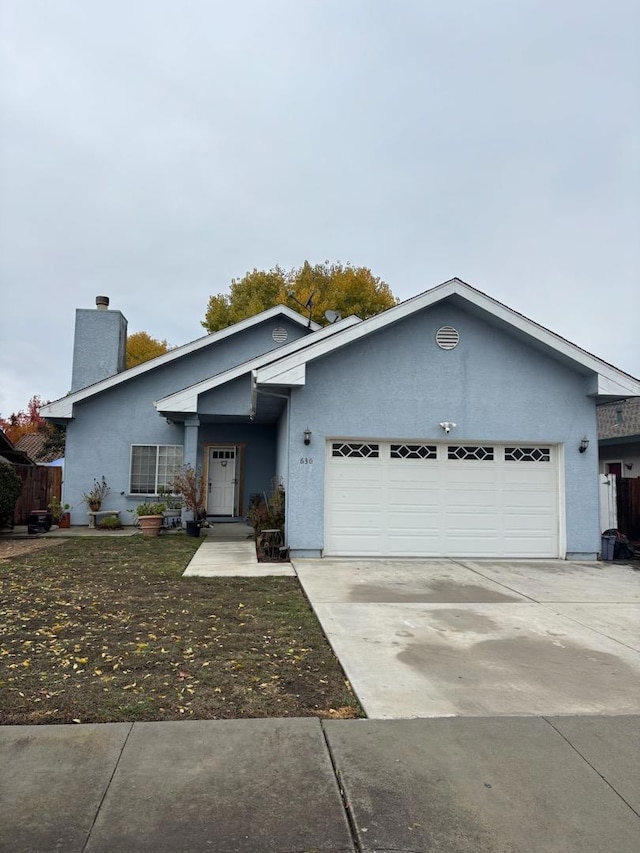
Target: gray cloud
[[152, 151]]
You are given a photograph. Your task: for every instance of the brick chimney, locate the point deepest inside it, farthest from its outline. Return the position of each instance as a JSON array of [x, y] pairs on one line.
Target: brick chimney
[[100, 344]]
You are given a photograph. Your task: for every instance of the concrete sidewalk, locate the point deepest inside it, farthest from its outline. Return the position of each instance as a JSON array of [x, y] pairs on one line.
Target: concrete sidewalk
[[458, 785], [228, 550]]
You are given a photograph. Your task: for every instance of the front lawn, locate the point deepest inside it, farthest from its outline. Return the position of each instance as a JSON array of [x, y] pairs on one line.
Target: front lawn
[[106, 630]]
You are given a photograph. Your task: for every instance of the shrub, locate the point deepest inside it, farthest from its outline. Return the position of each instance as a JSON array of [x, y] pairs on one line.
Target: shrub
[[150, 508], [111, 522], [57, 509], [10, 488], [189, 483], [268, 514]]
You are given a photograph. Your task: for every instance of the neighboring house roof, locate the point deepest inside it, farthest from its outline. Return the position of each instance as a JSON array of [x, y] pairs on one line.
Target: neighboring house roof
[[608, 381], [619, 420], [186, 400], [9, 452], [32, 444], [63, 408]]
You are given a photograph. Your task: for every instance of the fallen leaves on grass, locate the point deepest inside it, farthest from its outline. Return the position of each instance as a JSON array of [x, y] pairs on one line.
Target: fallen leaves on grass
[[98, 631]]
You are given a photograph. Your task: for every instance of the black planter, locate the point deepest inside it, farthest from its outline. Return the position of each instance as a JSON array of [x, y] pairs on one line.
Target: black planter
[[193, 528]]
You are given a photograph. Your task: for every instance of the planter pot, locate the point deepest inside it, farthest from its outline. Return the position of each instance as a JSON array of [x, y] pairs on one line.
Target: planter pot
[[150, 524], [94, 506], [193, 528], [64, 521]]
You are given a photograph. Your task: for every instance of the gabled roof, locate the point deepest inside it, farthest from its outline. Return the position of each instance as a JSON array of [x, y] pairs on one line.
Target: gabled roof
[[186, 400], [608, 381], [63, 408]]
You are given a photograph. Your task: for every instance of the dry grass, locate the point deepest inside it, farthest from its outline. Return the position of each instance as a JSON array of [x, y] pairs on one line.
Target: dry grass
[[103, 629]]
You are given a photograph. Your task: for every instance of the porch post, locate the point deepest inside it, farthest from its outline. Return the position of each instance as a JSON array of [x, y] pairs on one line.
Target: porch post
[[190, 453]]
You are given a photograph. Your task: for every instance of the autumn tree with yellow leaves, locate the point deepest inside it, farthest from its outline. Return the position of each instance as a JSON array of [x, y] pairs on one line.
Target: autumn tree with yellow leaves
[[330, 286]]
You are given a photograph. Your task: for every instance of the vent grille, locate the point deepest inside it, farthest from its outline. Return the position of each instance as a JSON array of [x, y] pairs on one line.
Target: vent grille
[[447, 337], [279, 335]]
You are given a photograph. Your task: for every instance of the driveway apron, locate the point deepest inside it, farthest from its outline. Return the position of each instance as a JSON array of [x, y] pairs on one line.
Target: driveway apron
[[438, 638]]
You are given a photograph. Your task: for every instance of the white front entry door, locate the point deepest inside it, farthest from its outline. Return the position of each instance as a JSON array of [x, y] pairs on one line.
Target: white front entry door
[[221, 486]]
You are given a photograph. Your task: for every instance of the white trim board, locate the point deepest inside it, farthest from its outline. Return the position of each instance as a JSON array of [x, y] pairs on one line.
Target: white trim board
[[186, 400], [610, 380], [63, 408]]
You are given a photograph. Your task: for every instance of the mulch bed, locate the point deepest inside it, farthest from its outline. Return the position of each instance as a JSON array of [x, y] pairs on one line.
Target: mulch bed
[[105, 630]]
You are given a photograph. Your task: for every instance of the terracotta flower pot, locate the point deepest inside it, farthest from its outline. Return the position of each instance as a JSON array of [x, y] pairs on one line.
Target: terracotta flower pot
[[150, 524], [64, 521]]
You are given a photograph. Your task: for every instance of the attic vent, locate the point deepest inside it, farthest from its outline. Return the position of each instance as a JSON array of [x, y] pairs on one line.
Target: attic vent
[[447, 337], [279, 335]]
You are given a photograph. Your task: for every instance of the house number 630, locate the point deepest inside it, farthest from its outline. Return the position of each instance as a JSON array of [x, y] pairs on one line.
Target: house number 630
[[306, 460]]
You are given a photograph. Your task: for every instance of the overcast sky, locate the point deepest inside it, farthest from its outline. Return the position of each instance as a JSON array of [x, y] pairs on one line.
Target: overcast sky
[[152, 151]]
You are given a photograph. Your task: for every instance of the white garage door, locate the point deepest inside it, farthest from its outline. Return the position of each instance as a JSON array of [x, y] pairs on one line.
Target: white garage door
[[461, 500]]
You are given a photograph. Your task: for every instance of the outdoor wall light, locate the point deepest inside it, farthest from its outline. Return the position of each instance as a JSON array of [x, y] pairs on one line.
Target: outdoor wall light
[[447, 426], [629, 466], [307, 436], [584, 444]]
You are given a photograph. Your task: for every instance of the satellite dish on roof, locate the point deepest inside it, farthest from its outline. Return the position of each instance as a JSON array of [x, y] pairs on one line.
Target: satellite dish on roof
[[332, 316]]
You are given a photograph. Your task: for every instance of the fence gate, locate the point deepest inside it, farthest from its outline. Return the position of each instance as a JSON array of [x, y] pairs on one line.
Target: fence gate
[[39, 484], [628, 505], [608, 502]]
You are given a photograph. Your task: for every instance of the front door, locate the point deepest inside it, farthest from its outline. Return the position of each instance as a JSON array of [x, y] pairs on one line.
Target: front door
[[221, 486], [614, 468]]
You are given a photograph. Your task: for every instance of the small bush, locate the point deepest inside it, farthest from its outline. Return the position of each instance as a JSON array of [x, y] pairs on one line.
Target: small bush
[[10, 488], [268, 514], [150, 508], [110, 523]]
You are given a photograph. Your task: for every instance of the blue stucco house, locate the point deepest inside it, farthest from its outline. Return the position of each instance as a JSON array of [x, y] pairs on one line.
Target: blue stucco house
[[448, 425]]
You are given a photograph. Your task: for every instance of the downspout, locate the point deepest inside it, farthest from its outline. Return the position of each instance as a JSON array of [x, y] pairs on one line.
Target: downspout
[[286, 490]]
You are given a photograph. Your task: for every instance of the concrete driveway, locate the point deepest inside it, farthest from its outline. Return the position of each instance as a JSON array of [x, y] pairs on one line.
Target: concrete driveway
[[436, 638]]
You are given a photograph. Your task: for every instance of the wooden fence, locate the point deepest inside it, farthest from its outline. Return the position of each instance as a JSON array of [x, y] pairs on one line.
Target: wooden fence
[[629, 507], [39, 485]]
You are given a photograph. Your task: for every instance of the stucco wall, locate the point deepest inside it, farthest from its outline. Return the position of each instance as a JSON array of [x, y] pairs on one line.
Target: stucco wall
[[104, 427], [399, 384]]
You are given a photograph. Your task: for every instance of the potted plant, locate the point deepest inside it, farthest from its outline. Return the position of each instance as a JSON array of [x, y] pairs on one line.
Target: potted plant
[[96, 496], [60, 513], [189, 484], [150, 518]]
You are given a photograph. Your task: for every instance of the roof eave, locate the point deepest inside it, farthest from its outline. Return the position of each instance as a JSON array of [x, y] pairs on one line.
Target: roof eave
[[62, 409]]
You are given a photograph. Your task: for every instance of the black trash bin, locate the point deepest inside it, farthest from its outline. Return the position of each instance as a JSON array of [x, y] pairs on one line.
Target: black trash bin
[[39, 521]]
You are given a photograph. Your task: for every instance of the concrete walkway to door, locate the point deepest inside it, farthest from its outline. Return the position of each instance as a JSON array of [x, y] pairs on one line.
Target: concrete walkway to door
[[437, 638], [228, 550]]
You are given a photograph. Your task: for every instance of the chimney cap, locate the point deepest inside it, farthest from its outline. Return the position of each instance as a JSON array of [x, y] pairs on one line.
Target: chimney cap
[[102, 303]]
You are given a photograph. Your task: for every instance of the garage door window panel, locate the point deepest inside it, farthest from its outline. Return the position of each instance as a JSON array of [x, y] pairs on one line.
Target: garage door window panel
[[414, 451], [354, 450], [527, 454], [476, 454]]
